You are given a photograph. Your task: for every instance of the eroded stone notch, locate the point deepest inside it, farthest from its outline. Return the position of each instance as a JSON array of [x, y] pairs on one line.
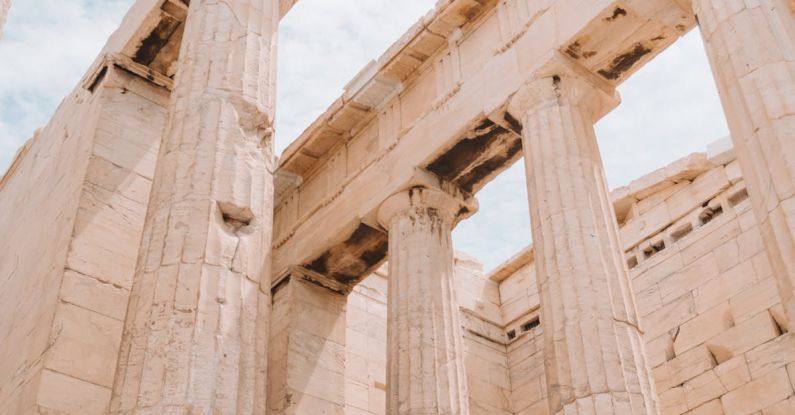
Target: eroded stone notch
[[682, 231], [535, 322], [654, 248], [234, 216], [738, 197], [632, 262], [709, 213]]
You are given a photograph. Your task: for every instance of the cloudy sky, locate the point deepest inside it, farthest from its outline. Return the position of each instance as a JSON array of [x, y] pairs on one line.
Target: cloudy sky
[[670, 108]]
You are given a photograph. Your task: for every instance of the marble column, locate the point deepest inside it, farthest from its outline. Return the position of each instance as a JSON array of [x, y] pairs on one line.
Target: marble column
[[306, 366], [751, 46], [425, 366], [195, 337], [594, 354]]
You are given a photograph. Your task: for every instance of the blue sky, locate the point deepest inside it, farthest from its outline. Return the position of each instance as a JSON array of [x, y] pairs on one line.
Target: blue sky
[[670, 108]]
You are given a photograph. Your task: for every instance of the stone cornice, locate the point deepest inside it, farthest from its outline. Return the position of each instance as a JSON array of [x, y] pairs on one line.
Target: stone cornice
[[381, 80]]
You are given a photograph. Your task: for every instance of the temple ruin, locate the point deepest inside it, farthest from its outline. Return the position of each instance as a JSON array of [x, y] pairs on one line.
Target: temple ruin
[[157, 258]]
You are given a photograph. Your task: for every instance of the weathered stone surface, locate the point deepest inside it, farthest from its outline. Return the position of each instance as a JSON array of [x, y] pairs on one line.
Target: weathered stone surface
[[683, 367], [758, 394], [751, 47], [425, 365], [65, 394], [195, 337], [579, 261], [306, 358], [710, 322], [87, 345], [101, 214]]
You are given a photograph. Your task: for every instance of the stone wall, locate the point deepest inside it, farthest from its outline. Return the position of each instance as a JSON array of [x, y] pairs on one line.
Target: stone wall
[[520, 310], [715, 332], [79, 190], [76, 197], [365, 358], [485, 352], [39, 195], [716, 336]]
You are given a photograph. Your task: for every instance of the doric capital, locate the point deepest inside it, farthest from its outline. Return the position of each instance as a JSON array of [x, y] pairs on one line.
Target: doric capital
[[562, 82], [559, 90], [421, 200]]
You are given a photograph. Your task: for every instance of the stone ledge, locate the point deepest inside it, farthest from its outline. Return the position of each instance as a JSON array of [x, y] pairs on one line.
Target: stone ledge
[[379, 81]]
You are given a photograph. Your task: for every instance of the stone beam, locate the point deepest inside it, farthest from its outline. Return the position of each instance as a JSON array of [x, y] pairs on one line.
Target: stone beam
[[436, 101], [151, 33]]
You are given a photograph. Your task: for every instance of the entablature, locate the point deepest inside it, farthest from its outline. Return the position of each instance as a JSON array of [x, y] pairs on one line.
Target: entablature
[[151, 35], [437, 101]]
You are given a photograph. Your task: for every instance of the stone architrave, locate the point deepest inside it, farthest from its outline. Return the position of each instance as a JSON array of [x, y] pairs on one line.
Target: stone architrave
[[425, 367], [594, 350], [195, 336], [751, 46]]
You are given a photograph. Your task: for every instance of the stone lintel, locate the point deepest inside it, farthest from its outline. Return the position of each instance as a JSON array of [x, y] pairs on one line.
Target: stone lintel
[[382, 79], [118, 60], [312, 277], [466, 141]]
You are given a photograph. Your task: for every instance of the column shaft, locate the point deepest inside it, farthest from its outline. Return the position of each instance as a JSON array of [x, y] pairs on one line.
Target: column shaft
[[425, 368], [594, 354], [195, 337], [751, 46]]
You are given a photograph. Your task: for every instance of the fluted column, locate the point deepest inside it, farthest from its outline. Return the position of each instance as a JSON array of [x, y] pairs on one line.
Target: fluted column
[[425, 367], [594, 354], [751, 46], [195, 338]]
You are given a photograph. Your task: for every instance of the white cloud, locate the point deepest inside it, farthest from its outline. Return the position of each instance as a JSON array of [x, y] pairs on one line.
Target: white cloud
[[670, 108], [323, 44], [46, 48]]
